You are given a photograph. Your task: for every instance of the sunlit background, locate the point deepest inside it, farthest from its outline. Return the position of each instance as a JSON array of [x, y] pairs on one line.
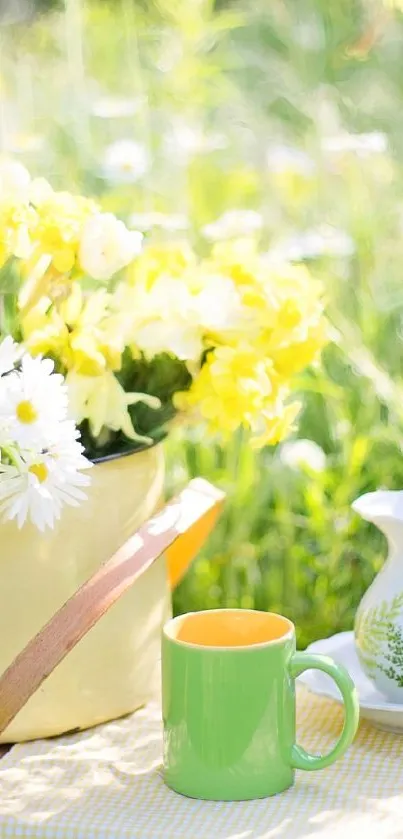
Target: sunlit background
[[199, 120]]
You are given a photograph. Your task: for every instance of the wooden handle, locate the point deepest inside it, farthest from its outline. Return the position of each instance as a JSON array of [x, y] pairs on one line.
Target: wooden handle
[[195, 504]]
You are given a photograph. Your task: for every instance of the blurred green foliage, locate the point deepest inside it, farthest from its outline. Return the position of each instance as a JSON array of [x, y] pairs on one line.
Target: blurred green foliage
[[215, 91]]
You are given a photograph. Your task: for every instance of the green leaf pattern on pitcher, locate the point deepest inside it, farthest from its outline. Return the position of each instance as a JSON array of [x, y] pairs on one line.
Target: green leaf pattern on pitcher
[[380, 638]]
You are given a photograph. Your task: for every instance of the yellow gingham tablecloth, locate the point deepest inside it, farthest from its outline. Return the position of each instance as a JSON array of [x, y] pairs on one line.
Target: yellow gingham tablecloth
[[106, 783]]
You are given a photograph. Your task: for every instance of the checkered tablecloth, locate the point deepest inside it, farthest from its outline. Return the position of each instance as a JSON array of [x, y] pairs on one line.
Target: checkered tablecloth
[[106, 783]]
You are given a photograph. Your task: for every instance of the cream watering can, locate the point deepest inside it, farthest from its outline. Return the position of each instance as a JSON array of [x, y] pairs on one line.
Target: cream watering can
[[177, 531], [379, 620]]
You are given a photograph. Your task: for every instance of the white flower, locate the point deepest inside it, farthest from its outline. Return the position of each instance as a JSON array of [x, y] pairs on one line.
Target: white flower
[[33, 401], [233, 224], [165, 320], [40, 457], [186, 140], [289, 159], [41, 484], [313, 244], [40, 191], [178, 338], [116, 107], [363, 145], [218, 305], [107, 246], [125, 161], [25, 143], [303, 455], [147, 221], [14, 179], [67, 449], [10, 353], [174, 316]]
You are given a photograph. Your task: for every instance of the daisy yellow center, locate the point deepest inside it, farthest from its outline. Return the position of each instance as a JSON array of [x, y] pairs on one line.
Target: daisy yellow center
[[26, 412], [40, 470]]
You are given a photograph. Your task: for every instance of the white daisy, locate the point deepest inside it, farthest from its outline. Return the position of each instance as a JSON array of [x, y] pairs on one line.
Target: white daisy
[[10, 353], [233, 224], [116, 107], [39, 488], [67, 449], [289, 159], [33, 401], [362, 145], [300, 455], [315, 243], [125, 161], [184, 141]]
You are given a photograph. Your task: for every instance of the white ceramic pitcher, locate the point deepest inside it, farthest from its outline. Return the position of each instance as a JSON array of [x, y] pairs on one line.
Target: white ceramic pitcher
[[379, 620]]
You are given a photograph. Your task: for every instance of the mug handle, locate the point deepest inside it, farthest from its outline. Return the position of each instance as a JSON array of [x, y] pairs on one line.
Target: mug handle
[[300, 759]]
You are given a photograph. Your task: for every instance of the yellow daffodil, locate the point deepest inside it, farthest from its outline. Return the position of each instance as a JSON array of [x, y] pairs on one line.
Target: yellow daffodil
[[275, 424], [17, 220], [291, 359], [170, 260], [77, 333], [44, 331], [55, 232], [61, 220], [104, 403], [235, 385]]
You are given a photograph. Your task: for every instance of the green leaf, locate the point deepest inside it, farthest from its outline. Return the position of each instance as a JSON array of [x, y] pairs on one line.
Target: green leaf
[[10, 277]]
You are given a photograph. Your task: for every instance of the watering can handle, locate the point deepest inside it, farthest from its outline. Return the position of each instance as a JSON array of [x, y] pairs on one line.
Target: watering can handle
[[179, 529]]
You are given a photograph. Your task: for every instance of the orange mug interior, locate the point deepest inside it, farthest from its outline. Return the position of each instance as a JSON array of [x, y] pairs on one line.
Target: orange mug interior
[[228, 628]]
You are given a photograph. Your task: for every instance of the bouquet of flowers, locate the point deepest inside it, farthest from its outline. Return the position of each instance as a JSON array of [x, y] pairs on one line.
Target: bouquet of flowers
[[42, 462], [108, 337]]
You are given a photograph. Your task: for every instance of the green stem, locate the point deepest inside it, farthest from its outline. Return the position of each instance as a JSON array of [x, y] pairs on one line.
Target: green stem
[[12, 456]]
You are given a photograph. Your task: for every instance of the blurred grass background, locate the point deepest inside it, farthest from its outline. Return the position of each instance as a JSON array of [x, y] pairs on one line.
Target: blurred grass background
[[293, 110]]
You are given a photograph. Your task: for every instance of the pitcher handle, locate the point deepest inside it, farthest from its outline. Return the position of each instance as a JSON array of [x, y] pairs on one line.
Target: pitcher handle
[[300, 759]]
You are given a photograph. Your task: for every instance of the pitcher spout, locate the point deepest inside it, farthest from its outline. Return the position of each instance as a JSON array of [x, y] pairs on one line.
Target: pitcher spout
[[383, 508]]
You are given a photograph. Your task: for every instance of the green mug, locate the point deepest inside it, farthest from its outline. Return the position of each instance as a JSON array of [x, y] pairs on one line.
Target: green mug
[[228, 698]]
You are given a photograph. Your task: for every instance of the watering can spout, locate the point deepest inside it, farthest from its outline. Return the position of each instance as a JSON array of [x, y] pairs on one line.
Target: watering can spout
[[384, 508]]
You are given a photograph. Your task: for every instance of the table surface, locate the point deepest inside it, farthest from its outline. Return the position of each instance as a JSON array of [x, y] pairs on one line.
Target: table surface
[[106, 783]]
